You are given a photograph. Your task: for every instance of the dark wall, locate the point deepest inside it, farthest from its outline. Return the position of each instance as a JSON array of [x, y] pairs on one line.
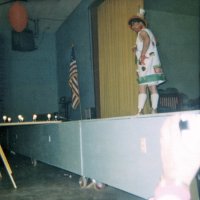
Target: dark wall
[[178, 7], [76, 30], [30, 78], [2, 74], [176, 26]]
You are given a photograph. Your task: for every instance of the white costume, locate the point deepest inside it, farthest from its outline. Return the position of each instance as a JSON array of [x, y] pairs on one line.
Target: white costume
[[146, 72]]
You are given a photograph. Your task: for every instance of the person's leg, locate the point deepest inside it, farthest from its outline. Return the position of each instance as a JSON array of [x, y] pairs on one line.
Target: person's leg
[[154, 98], [142, 96]]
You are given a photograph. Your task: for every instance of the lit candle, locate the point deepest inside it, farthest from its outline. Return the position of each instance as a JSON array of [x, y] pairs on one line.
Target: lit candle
[[49, 116], [4, 118], [34, 117], [9, 119], [20, 118]]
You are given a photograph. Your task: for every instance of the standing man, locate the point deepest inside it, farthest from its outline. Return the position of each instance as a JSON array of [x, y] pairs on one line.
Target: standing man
[[148, 63]]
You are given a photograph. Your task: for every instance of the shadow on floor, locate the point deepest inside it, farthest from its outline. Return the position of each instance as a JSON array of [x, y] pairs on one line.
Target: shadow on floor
[[44, 182]]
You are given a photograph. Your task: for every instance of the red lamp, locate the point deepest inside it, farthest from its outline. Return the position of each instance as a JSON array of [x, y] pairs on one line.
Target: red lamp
[[18, 16]]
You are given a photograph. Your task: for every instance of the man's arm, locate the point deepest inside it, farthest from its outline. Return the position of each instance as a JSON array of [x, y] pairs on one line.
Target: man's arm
[[146, 41]]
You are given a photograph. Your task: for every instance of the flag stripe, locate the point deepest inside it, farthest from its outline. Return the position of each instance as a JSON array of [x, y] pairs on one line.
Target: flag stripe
[[73, 80]]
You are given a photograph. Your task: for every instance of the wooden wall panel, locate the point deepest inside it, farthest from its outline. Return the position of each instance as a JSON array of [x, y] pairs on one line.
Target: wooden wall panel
[[117, 70]]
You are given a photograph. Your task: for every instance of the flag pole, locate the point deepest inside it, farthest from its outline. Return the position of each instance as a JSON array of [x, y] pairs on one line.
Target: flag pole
[[80, 109]]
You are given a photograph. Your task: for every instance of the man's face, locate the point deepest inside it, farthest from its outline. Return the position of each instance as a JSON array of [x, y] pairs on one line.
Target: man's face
[[136, 26]]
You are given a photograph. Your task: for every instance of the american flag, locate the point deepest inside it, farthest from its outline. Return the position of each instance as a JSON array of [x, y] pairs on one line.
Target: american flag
[[73, 80]]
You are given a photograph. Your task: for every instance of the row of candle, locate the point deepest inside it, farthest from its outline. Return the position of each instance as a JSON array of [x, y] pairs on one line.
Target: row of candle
[[21, 118]]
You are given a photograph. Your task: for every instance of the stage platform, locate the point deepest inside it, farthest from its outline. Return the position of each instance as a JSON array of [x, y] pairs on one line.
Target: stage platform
[[123, 152]]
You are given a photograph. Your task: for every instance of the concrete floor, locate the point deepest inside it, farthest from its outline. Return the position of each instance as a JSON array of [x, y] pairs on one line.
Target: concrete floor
[[44, 182]]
